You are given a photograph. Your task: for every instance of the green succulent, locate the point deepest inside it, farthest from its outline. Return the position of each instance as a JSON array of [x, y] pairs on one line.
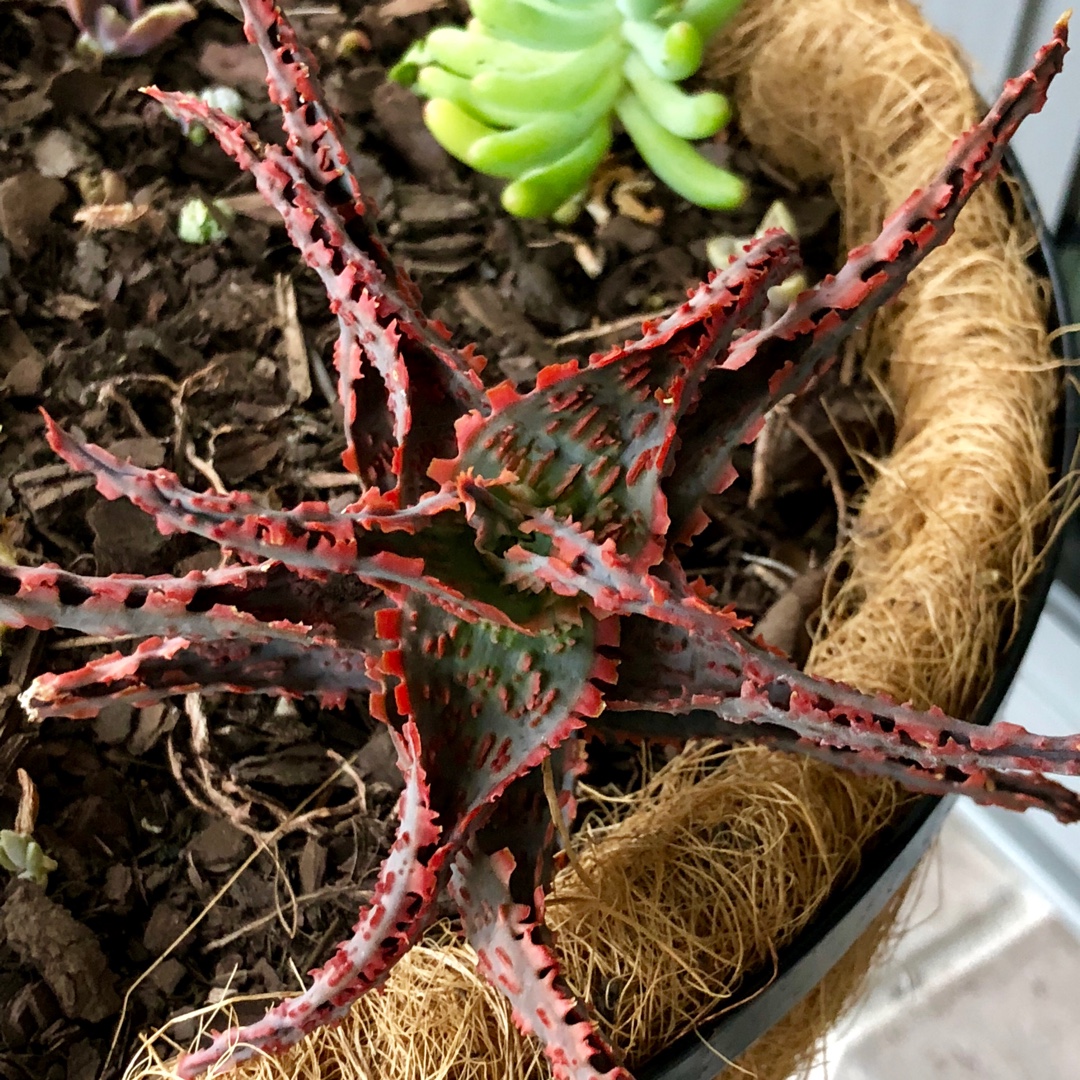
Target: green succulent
[[527, 91], [23, 856], [200, 222]]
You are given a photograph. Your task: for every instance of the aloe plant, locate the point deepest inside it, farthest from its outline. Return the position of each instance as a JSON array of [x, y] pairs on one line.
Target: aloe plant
[[509, 575], [528, 89]]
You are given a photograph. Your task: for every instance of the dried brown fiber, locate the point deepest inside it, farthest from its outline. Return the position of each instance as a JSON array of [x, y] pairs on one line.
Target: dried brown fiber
[[709, 871]]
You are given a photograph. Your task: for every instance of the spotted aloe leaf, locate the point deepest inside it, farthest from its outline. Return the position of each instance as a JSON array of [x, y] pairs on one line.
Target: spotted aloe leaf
[[400, 909], [767, 365], [514, 952], [491, 702], [509, 573], [593, 443], [712, 682], [393, 362]]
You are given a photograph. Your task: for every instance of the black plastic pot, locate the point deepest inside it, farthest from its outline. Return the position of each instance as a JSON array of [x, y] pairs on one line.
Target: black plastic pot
[[843, 918]]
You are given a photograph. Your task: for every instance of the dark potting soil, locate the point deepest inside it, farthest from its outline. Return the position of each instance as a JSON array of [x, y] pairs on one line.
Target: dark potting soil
[[214, 361]]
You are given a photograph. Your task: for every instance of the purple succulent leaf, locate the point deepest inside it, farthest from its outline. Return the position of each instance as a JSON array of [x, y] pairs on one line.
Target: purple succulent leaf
[[401, 908], [514, 953], [148, 30], [107, 33], [383, 336], [158, 669], [766, 365], [592, 443], [83, 12]]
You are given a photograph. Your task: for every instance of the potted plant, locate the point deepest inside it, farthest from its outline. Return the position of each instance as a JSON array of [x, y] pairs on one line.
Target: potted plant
[[448, 601]]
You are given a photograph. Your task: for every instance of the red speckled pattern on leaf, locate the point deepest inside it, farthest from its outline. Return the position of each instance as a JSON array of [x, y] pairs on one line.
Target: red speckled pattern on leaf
[[514, 953]]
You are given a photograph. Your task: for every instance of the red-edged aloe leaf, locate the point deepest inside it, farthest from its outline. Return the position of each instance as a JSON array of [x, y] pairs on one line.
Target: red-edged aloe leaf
[[426, 547], [592, 444], [490, 702], [765, 366], [236, 602], [1012, 790], [158, 669], [709, 681], [381, 336], [315, 139], [515, 954], [521, 823], [559, 556], [400, 910]]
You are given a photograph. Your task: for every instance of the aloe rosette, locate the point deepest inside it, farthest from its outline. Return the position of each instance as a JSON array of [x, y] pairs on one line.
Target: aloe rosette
[[528, 91], [509, 576]]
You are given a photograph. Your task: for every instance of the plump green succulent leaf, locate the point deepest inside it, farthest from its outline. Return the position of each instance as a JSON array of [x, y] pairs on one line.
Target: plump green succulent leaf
[[689, 116], [671, 52], [676, 162], [543, 24], [539, 192], [561, 86], [565, 60], [709, 15]]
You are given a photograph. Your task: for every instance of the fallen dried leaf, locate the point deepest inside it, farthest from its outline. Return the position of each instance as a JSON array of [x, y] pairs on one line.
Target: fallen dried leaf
[[233, 65], [220, 846], [104, 216], [783, 626], [297, 367], [312, 865], [400, 9], [21, 365], [71, 306], [254, 206], [154, 722]]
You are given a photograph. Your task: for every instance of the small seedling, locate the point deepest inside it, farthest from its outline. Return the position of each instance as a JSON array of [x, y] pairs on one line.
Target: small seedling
[[224, 98], [201, 222], [20, 853], [108, 31], [528, 91]]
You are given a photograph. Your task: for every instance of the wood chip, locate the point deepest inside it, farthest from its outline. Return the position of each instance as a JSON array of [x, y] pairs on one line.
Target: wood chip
[[297, 368], [401, 9], [47, 938], [27, 201]]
